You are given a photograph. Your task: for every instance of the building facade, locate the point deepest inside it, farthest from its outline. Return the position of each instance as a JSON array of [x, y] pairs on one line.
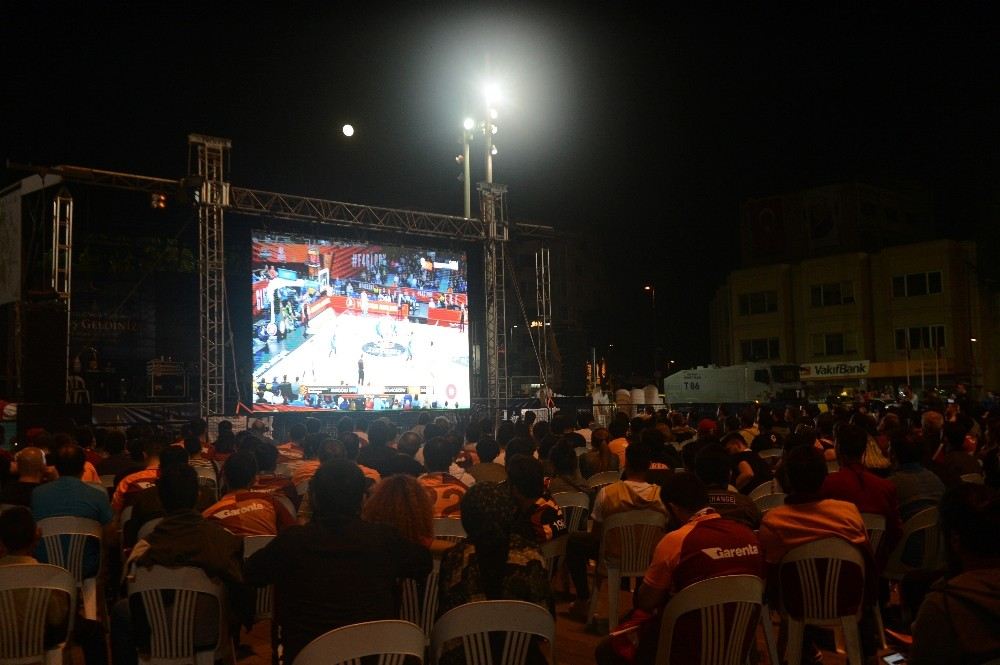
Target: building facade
[[913, 313]]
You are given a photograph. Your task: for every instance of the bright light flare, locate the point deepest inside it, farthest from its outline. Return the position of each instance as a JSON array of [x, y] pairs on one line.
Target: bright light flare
[[468, 123], [491, 91], [348, 130]]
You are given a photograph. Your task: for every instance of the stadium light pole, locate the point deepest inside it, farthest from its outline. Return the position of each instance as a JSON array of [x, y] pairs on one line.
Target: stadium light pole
[[649, 288], [492, 94], [467, 126]]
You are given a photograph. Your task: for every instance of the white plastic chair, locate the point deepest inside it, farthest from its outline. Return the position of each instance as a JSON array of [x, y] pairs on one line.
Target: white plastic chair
[[875, 526], [264, 606], [771, 455], [553, 550], [723, 642], [816, 601], [769, 501], [172, 628], [770, 487], [417, 608], [447, 528], [575, 507], [637, 532], [599, 480], [22, 633], [76, 388], [148, 528], [473, 622], [207, 478], [974, 478], [392, 640], [931, 555], [77, 530]]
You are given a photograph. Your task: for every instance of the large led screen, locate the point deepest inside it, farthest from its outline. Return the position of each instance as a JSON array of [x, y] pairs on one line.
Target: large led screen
[[351, 326]]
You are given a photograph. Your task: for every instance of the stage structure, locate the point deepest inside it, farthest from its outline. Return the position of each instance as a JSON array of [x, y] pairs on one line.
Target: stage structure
[[208, 189]]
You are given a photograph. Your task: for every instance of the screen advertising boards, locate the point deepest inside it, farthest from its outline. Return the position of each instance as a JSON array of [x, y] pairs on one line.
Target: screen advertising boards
[[352, 326]]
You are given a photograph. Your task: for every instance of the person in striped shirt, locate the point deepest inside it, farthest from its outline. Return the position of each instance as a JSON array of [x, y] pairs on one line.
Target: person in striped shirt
[[243, 512]]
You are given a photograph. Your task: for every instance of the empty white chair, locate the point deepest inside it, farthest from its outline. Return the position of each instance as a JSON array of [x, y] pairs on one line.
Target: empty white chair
[[725, 610], [575, 507], [822, 584], [69, 553], [447, 528], [472, 623], [393, 640], [635, 533], [22, 633], [172, 627]]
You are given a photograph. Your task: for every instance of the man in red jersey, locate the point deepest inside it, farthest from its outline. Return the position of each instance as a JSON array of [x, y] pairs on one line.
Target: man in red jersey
[[704, 547], [246, 513]]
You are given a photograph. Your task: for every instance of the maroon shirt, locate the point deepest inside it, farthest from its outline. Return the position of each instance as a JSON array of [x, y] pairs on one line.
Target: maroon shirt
[[871, 494]]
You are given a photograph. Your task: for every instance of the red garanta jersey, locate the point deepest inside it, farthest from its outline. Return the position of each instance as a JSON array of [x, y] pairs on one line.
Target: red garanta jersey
[[131, 485], [270, 484], [705, 547], [446, 492], [246, 513]]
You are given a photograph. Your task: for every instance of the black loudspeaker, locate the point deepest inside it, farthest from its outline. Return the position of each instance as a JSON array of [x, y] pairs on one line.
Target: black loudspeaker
[[51, 417], [43, 351]]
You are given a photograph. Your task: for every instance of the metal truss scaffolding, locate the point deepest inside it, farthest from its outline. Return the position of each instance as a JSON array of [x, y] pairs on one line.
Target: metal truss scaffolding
[[206, 185], [495, 224], [62, 261], [543, 302], [206, 162]]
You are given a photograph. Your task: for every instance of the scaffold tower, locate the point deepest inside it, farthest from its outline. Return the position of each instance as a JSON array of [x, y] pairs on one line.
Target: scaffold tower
[[62, 262], [206, 164], [491, 200]]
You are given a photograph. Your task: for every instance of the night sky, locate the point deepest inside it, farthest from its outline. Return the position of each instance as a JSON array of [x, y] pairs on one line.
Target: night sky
[[642, 130]]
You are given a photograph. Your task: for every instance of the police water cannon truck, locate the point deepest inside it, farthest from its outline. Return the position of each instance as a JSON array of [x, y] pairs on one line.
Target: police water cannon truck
[[735, 384]]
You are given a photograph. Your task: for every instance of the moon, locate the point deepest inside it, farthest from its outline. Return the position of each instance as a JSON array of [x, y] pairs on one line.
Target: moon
[[348, 130]]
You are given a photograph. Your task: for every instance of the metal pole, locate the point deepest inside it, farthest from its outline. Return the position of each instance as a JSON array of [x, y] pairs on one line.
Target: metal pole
[[466, 176], [488, 133], [937, 357]]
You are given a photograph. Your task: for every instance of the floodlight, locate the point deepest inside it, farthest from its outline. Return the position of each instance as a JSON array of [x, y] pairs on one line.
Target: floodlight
[[493, 150], [469, 123], [348, 130], [491, 91]]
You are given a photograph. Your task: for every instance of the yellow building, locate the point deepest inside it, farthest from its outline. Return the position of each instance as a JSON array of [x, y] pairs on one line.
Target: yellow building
[[903, 314]]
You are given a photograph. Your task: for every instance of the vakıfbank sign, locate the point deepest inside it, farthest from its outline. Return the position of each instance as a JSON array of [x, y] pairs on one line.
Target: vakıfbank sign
[[844, 370]]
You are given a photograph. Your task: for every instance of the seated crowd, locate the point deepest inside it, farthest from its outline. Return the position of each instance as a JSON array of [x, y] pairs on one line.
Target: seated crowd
[[351, 512]]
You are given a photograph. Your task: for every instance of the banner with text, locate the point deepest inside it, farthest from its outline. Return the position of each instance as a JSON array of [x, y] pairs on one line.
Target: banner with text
[[843, 370]]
